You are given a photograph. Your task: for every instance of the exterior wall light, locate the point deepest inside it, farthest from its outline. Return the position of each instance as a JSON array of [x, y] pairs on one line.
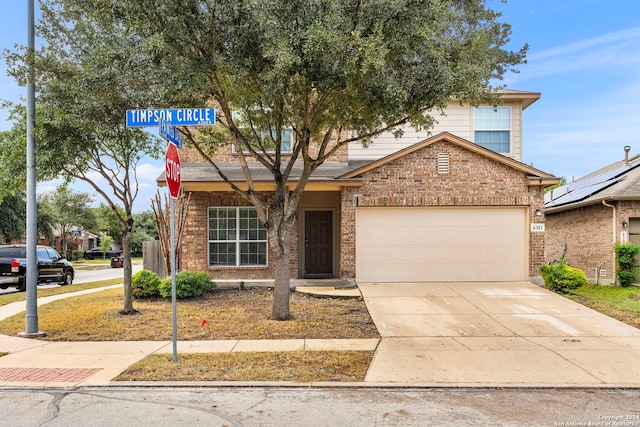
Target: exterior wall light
[[625, 224], [538, 212]]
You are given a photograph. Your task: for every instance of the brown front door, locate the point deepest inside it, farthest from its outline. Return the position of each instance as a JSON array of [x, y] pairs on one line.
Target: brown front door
[[318, 244]]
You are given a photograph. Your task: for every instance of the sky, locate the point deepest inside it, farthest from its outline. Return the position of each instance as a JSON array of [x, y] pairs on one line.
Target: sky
[[583, 57]]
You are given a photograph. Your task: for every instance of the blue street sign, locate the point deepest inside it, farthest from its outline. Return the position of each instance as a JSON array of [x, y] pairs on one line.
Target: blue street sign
[[176, 117], [170, 133]]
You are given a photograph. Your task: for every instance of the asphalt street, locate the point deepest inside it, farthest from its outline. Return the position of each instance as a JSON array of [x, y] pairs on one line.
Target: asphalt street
[[284, 407], [85, 276]]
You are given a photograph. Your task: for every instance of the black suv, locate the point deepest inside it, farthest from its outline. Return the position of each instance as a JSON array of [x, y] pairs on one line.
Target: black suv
[[52, 267]]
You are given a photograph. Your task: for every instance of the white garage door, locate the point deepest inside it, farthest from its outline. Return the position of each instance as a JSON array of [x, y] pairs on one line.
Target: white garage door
[[441, 244]]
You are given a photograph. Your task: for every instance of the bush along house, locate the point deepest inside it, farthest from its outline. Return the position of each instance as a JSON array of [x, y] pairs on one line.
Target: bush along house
[[454, 204]]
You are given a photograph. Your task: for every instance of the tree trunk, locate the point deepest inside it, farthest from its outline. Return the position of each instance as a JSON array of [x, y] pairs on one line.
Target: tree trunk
[[126, 264], [280, 243]]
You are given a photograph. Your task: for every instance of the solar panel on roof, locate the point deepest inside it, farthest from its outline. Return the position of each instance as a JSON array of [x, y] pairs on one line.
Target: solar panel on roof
[[583, 188]]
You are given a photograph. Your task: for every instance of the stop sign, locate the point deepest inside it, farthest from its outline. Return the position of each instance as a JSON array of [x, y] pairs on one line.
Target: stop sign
[[172, 170]]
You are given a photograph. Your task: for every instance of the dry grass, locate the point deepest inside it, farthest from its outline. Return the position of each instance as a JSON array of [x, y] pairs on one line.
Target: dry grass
[[308, 366], [229, 314], [630, 317]]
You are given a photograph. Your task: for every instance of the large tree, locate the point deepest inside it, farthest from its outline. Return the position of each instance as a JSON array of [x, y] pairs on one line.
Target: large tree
[[89, 72], [12, 218], [70, 210], [334, 71]]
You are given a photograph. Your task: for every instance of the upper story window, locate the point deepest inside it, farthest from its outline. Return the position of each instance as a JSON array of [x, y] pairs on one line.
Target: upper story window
[[492, 128], [285, 144], [266, 137]]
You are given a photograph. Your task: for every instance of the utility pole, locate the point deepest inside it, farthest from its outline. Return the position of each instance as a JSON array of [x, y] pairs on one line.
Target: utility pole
[[32, 221]]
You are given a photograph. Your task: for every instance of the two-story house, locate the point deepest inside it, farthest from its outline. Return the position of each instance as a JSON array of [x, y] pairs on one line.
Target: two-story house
[[452, 204]]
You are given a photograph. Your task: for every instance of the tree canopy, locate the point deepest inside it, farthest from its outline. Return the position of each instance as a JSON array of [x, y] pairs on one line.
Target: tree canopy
[[70, 210], [333, 71], [89, 72]]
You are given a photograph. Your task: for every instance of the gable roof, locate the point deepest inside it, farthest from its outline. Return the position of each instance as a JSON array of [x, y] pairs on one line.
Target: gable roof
[[617, 181], [536, 176]]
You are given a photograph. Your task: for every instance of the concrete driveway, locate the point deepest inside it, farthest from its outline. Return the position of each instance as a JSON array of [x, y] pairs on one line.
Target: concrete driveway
[[514, 334]]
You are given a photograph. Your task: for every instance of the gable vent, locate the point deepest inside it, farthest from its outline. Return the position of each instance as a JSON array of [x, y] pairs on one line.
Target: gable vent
[[443, 163]]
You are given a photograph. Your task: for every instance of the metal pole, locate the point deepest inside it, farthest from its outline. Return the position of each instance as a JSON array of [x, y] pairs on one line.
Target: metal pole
[[173, 280], [32, 222]]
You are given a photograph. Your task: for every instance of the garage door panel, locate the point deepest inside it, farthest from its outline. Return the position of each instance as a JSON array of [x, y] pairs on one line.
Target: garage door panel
[[441, 244]]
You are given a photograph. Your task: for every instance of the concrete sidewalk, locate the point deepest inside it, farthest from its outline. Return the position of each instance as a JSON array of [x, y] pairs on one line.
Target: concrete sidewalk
[[433, 335], [69, 364]]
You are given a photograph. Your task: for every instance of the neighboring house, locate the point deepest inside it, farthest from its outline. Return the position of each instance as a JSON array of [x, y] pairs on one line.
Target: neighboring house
[[76, 240], [416, 209], [585, 218]]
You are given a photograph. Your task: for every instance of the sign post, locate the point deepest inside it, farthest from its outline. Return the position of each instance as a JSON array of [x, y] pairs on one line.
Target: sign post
[[174, 317], [167, 121], [172, 175]]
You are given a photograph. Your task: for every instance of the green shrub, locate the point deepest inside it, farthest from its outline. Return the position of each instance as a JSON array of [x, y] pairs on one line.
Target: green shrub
[[573, 278], [145, 284], [626, 254], [558, 276], [188, 284]]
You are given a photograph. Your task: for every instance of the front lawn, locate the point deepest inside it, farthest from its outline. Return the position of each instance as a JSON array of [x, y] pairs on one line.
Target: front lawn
[[221, 314], [622, 303], [217, 315]]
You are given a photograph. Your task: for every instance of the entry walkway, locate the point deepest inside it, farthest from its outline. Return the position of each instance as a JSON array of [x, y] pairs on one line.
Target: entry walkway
[[496, 335]]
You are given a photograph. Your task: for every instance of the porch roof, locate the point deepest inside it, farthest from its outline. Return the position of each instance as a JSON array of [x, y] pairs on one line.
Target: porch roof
[[204, 177], [332, 176]]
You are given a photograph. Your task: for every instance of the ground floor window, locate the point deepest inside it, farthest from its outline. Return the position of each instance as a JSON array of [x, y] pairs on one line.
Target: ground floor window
[[236, 237]]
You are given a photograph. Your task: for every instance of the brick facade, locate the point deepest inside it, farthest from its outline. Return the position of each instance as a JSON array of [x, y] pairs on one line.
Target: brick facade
[[225, 154], [411, 180], [195, 241], [585, 237]]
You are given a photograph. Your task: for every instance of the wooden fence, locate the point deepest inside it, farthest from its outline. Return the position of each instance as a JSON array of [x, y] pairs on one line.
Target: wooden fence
[[153, 259]]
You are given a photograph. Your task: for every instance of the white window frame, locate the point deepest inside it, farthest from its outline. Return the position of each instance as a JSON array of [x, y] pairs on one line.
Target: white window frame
[[496, 128], [237, 241]]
